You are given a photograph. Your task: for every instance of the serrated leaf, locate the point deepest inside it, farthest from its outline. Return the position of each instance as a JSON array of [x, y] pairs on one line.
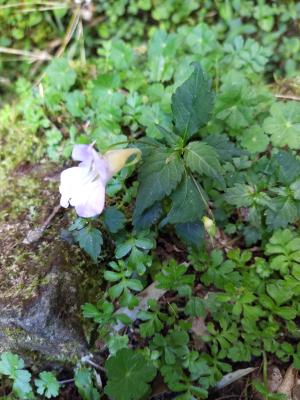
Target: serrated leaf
[[254, 140], [224, 147], [284, 124], [240, 195], [90, 240], [284, 211], [60, 75], [188, 202], [203, 159], [21, 386], [47, 385], [192, 103], [75, 103], [158, 177], [128, 375], [114, 219], [148, 217], [84, 384], [191, 232], [9, 363], [289, 166]]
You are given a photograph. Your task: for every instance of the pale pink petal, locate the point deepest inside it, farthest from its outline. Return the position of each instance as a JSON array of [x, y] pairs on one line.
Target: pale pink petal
[[83, 152], [92, 202], [71, 181]]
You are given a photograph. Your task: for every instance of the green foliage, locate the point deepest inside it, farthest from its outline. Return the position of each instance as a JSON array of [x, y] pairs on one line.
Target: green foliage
[[231, 156], [13, 367], [88, 238], [192, 104], [129, 375], [114, 219], [284, 125], [47, 385], [84, 384], [175, 170]]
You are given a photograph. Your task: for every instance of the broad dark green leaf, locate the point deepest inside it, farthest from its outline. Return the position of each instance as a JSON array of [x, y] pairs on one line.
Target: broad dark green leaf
[[192, 103], [114, 219], [224, 147], [148, 217], [128, 375], [289, 166], [188, 202], [203, 159], [240, 195], [191, 232], [90, 240], [158, 177]]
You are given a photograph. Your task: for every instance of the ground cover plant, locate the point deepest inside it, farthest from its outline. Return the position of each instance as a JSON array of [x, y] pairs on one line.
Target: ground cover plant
[[183, 197]]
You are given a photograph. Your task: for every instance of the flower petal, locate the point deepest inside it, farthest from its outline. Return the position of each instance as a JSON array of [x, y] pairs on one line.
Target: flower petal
[[71, 182], [92, 202], [83, 152]]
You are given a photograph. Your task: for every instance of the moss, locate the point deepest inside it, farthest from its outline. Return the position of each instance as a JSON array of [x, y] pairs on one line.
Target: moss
[[42, 285]]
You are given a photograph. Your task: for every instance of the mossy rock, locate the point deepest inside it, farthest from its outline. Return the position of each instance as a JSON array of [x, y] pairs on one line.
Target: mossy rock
[[44, 283]]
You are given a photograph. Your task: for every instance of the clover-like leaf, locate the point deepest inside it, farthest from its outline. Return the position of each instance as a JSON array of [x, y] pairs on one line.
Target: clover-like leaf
[[60, 74], [129, 374], [284, 124], [254, 140], [47, 385]]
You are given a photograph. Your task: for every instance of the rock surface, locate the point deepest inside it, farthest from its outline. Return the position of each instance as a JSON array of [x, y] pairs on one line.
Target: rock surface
[[42, 284]]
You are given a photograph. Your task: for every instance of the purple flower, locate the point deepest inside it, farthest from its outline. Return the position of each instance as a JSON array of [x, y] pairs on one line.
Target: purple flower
[[84, 186]]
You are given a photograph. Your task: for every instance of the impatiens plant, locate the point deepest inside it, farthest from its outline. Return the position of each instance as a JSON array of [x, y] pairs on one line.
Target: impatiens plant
[[172, 172]]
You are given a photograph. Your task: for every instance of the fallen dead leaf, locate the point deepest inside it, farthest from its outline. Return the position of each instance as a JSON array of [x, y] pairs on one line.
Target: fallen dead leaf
[[233, 376]]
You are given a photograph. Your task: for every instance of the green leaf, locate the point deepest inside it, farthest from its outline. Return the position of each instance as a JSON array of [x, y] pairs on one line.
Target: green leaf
[[9, 363], [47, 385], [12, 366], [195, 307], [288, 165], [240, 195], [203, 159], [21, 386], [282, 211], [75, 103], [188, 202], [173, 276], [254, 140], [191, 232], [84, 384], [225, 149], [158, 177], [279, 292], [90, 240], [192, 103], [60, 75], [295, 186], [129, 374], [284, 124], [148, 217], [114, 219], [162, 51]]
